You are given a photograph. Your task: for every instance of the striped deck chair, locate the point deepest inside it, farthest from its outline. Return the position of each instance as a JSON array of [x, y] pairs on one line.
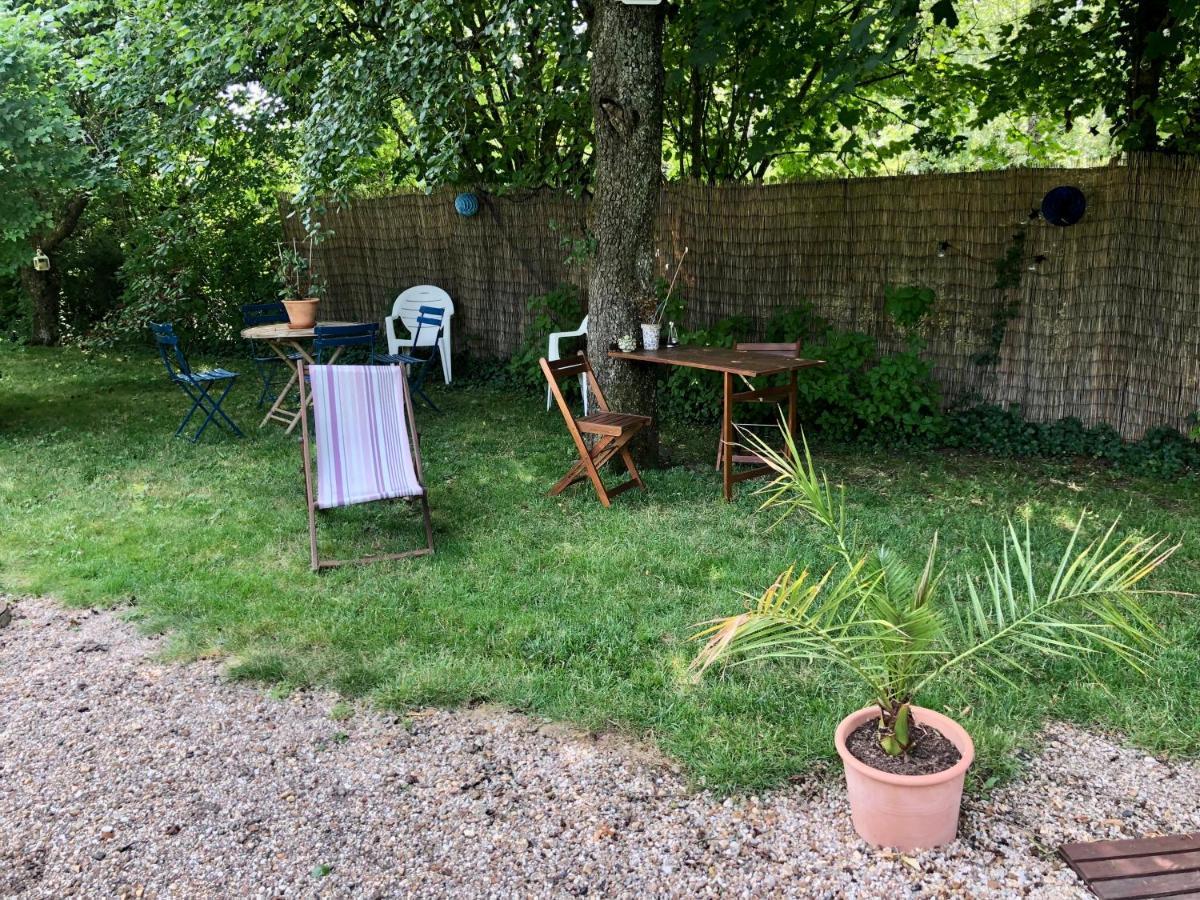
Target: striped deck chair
[[366, 446]]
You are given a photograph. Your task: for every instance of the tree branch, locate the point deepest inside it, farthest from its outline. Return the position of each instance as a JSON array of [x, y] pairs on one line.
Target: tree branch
[[67, 224]]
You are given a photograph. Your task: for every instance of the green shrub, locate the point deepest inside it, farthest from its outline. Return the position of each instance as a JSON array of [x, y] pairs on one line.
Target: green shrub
[[856, 394], [694, 395], [1162, 452], [558, 310], [799, 323], [908, 304]]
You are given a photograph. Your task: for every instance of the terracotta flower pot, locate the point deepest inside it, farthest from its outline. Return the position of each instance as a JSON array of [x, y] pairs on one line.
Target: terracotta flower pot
[[907, 812], [301, 313]]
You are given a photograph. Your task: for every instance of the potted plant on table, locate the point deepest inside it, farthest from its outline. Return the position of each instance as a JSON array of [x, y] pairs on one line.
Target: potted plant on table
[[653, 309], [300, 287], [898, 628]]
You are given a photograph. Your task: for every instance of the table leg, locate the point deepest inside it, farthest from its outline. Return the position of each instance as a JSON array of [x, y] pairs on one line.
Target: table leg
[[277, 411], [303, 411], [727, 438], [792, 405]]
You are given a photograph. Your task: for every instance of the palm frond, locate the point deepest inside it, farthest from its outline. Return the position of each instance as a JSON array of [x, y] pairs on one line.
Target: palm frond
[[797, 486], [801, 618], [1093, 603]]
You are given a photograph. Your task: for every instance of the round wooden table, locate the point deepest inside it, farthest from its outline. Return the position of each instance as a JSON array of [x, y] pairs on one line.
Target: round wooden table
[[289, 345]]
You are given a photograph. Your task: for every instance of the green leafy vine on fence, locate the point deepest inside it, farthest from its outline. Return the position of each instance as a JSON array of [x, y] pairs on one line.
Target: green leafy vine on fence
[[1008, 279]]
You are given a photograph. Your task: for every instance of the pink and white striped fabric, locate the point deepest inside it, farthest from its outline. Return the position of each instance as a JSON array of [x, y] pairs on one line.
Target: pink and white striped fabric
[[363, 450]]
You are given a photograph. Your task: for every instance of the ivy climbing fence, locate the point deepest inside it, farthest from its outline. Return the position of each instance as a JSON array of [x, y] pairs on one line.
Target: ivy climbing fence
[[1100, 320]]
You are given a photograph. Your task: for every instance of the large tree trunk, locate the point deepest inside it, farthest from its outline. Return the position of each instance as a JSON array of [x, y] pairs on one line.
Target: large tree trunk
[[44, 290], [627, 96]]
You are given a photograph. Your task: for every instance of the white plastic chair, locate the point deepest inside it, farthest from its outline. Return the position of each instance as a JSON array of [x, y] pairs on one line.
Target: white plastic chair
[[406, 309], [553, 353]]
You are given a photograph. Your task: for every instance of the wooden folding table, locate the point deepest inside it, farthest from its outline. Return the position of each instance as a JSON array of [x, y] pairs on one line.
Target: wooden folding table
[[730, 363], [281, 338]]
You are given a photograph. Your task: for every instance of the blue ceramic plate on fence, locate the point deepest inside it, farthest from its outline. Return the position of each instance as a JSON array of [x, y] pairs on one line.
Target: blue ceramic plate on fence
[[466, 204]]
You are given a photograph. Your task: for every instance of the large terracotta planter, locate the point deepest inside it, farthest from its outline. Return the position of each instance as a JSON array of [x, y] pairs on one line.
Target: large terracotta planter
[[301, 313], [907, 812]]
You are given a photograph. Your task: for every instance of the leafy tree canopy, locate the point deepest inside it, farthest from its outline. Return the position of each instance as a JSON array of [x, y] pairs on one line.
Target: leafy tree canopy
[[48, 158], [1137, 61]]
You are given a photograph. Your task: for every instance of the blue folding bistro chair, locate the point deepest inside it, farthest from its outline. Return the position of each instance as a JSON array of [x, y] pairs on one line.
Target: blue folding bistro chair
[[427, 337], [269, 365], [354, 343], [345, 343], [195, 384]]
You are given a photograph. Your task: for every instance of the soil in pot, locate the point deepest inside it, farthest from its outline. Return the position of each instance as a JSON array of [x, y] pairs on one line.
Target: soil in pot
[[931, 752]]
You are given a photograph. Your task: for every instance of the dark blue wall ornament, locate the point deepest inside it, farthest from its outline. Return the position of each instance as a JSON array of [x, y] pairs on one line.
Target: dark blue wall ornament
[[1064, 205], [467, 204]]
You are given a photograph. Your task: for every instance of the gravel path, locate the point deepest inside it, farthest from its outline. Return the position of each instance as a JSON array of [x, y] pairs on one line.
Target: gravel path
[[122, 776]]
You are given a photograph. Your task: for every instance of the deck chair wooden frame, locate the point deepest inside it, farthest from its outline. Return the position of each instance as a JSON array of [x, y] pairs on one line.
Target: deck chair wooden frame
[[611, 431], [310, 496], [775, 394]]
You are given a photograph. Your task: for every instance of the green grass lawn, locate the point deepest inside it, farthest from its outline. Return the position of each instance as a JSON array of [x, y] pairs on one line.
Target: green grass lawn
[[555, 606]]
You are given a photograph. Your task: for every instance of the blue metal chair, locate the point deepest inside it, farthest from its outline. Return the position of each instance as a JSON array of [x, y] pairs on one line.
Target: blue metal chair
[[347, 343], [428, 337], [195, 384], [269, 366]]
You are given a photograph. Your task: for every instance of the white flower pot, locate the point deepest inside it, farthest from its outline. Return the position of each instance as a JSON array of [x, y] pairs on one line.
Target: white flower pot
[[650, 336]]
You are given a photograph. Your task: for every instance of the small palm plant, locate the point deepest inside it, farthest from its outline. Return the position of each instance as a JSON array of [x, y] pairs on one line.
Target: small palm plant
[[898, 627]]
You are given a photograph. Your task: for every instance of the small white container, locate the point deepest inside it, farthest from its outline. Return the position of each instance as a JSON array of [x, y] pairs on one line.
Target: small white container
[[650, 335]]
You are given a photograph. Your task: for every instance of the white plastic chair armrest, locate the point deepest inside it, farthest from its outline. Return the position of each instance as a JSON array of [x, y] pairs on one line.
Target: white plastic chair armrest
[[394, 342]]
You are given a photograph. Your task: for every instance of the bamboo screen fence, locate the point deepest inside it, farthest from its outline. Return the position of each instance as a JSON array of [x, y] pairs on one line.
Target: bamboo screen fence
[[1107, 329]]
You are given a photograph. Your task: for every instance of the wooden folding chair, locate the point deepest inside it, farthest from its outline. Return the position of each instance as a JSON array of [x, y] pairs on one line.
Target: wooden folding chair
[[367, 446], [763, 395], [611, 431]]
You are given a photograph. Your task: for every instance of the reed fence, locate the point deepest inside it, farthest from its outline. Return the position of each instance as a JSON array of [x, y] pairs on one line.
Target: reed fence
[[1107, 329]]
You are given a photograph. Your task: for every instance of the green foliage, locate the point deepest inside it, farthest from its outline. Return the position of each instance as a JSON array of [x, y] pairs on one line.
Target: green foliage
[[898, 626], [907, 304], [861, 393], [795, 323], [558, 310], [474, 93], [898, 397], [182, 175], [92, 268], [749, 84], [197, 264], [14, 309], [580, 249], [1162, 452], [858, 394], [46, 155], [298, 279], [1009, 269], [1138, 62]]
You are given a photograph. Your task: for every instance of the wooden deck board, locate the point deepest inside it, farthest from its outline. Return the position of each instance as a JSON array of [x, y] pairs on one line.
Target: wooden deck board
[[1139, 868]]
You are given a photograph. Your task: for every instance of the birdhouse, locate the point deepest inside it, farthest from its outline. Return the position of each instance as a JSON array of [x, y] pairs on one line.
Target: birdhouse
[[41, 262]]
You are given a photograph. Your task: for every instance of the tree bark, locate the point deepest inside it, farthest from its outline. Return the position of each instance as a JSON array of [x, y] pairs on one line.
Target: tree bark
[[1141, 19], [627, 106], [45, 288]]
